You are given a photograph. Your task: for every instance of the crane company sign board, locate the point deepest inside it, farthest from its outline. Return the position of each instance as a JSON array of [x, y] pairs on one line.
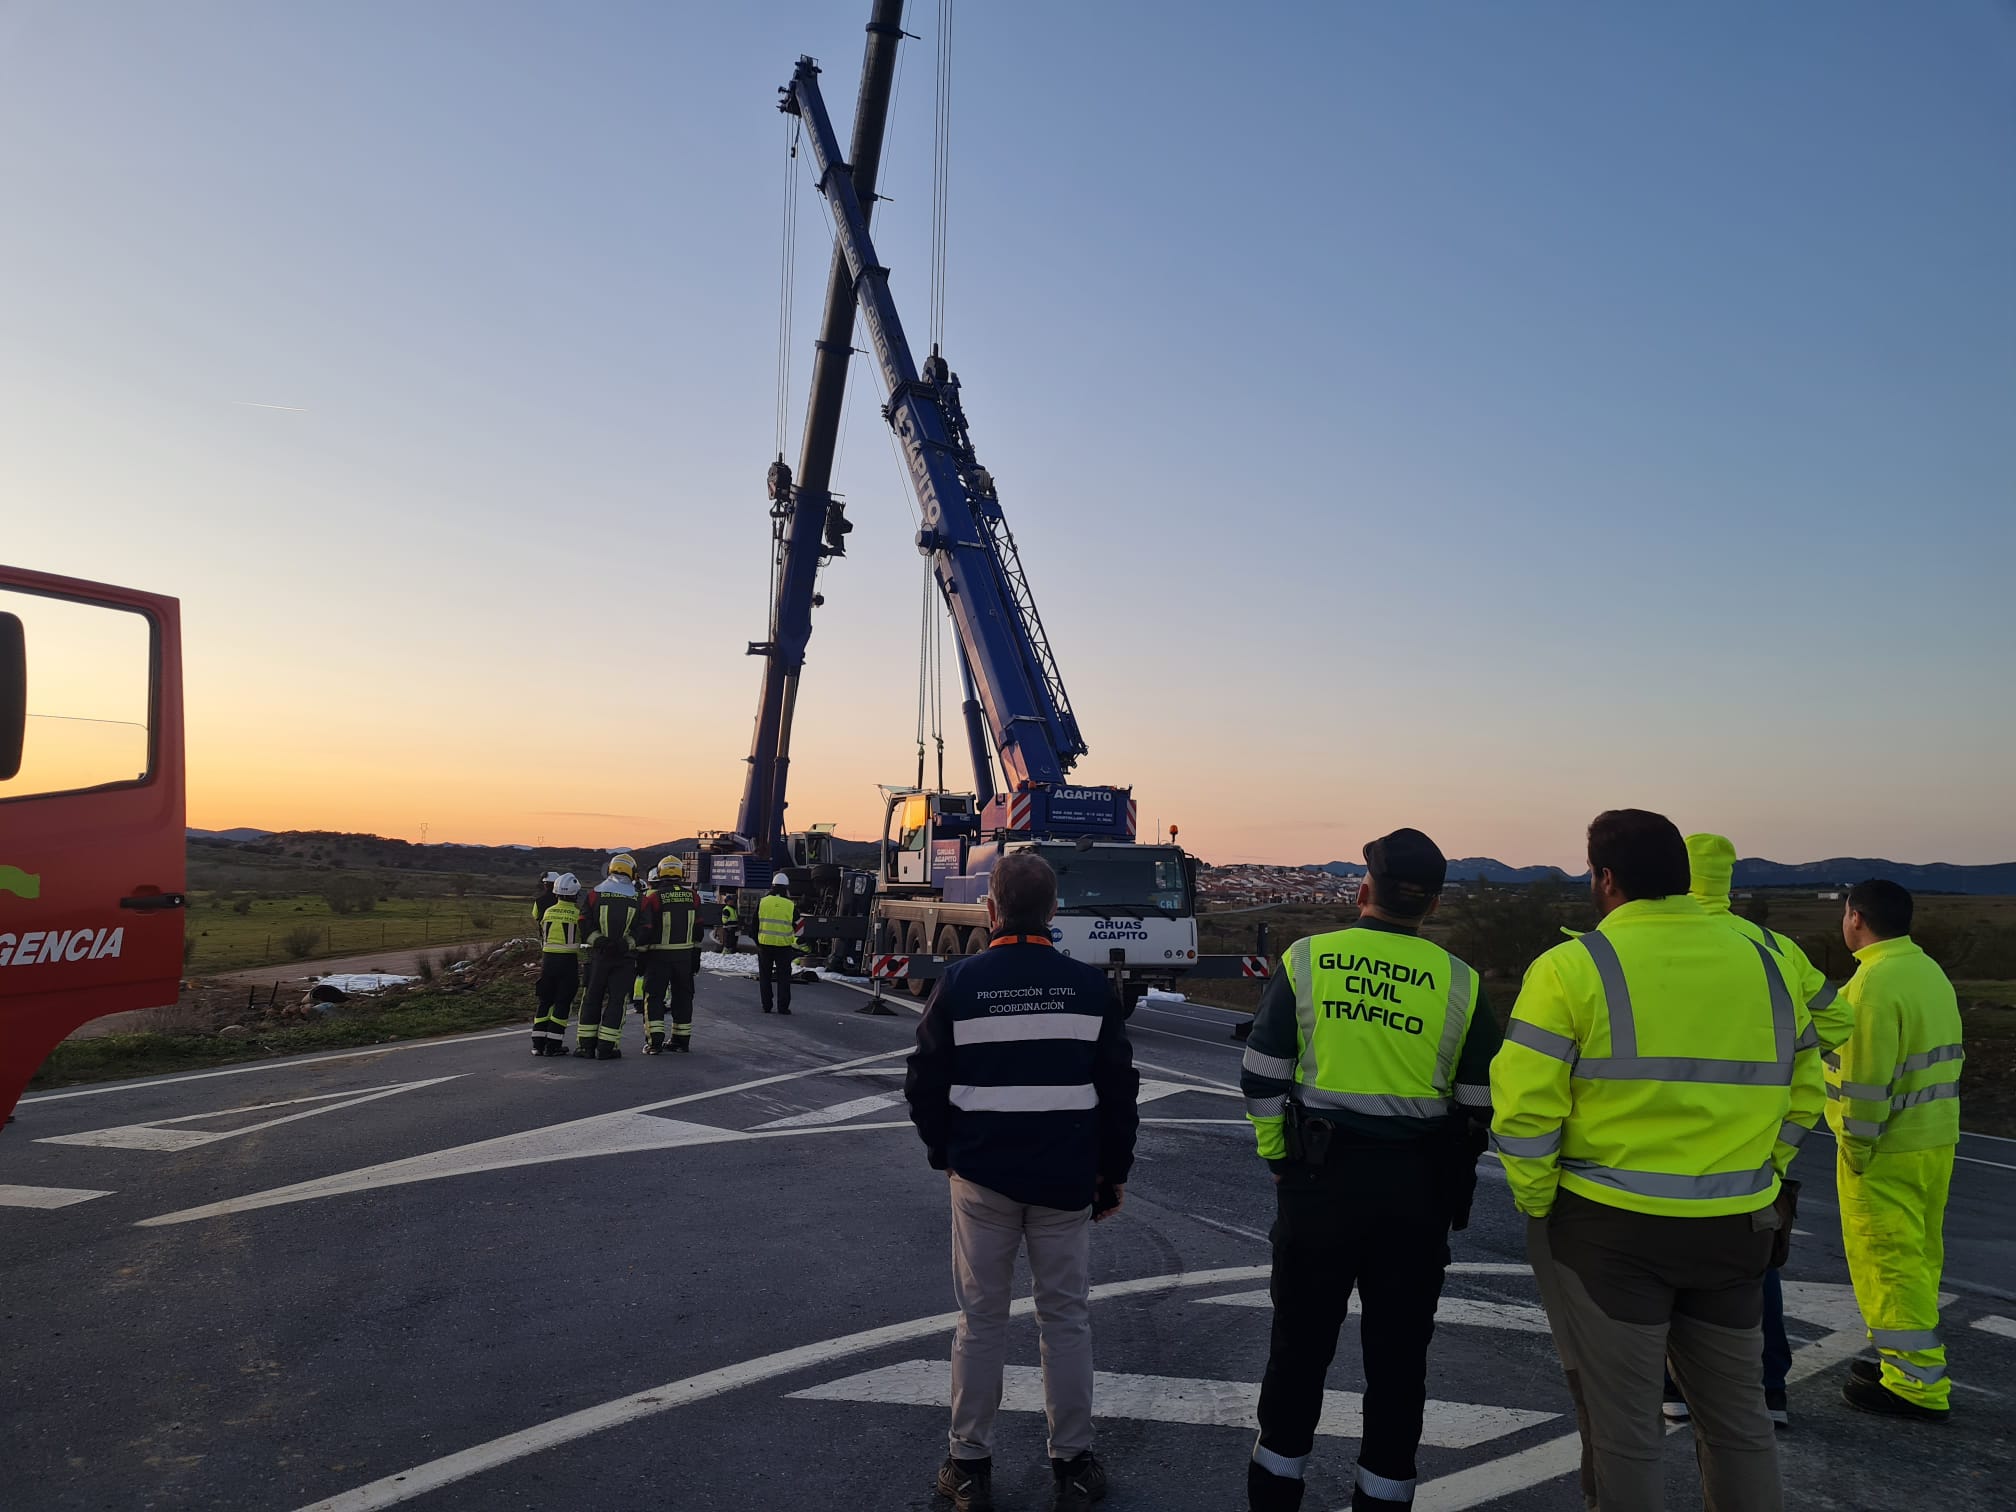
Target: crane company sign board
[[945, 860], [1088, 809]]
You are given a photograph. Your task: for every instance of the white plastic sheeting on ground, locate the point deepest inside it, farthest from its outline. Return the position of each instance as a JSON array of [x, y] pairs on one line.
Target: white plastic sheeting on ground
[[722, 964], [354, 982], [1157, 995]]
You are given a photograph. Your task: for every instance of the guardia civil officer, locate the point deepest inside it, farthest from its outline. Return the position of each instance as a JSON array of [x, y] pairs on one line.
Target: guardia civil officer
[[1367, 1080], [1658, 1074], [608, 925]]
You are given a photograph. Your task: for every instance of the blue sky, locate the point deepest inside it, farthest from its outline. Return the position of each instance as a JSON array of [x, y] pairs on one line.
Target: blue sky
[[1463, 415]]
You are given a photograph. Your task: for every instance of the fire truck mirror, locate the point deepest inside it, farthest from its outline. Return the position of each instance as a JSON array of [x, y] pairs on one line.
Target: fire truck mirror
[[79, 716]]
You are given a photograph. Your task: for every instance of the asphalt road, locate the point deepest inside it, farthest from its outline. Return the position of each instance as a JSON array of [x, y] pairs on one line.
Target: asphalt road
[[453, 1276]]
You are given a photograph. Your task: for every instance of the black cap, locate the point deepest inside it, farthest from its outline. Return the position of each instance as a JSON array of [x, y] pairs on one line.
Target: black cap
[[1407, 865]]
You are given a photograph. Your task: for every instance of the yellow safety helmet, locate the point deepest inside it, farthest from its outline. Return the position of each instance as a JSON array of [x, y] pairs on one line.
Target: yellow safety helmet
[[671, 867], [624, 865]]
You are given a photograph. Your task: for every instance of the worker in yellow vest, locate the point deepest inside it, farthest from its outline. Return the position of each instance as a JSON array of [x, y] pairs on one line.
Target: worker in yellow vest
[[670, 930], [1366, 1077], [1657, 1077], [1893, 1101], [776, 943], [559, 965]]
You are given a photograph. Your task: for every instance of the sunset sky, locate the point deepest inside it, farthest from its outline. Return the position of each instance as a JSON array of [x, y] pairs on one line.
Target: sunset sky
[[1464, 415]]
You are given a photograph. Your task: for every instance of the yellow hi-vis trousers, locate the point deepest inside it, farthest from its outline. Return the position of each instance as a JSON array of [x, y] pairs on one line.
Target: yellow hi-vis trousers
[[1893, 1218]]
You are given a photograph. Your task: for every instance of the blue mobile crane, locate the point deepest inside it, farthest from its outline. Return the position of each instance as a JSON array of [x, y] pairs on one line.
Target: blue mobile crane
[[1129, 906]]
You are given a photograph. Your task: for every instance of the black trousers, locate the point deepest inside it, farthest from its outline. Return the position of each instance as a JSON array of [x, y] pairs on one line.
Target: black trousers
[[774, 964], [610, 975], [559, 977], [1375, 1218], [668, 989]]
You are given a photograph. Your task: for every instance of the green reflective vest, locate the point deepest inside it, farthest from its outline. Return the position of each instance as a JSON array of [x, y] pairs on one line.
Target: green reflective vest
[[1894, 1085], [776, 915], [1662, 1063], [560, 929]]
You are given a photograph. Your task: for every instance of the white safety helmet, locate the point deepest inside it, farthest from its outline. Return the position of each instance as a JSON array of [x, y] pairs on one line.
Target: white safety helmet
[[550, 878], [567, 885], [780, 880]]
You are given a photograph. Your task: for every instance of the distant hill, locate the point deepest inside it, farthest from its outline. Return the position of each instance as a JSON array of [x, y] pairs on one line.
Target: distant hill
[[236, 836], [1842, 871]]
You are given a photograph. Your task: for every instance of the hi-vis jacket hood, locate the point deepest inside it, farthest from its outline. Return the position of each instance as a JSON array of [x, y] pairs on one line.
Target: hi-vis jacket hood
[[1711, 862]]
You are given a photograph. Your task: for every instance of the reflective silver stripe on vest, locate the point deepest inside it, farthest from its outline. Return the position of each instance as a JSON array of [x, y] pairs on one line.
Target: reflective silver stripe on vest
[[1013, 1028], [1924, 1095], [1791, 1133], [1665, 1184], [1546, 1041], [1926, 1058], [1905, 1338], [1860, 1091], [1455, 1019], [1770, 941], [1266, 1107], [1527, 1146], [1278, 1464], [1624, 1063], [1678, 1068], [1831, 1059], [1025, 1099], [1305, 1007], [1924, 1375], [1810, 1040], [1472, 1095], [1862, 1128], [1376, 1104], [1822, 999], [1280, 1067]]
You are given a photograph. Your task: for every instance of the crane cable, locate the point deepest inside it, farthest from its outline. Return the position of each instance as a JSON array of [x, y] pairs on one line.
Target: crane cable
[[787, 267], [941, 171]]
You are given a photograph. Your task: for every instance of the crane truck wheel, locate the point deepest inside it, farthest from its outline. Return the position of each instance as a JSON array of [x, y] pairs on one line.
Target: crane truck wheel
[[976, 941], [914, 944], [949, 943]]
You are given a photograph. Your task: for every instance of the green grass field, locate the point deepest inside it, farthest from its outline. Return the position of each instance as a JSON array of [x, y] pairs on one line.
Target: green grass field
[[225, 940]]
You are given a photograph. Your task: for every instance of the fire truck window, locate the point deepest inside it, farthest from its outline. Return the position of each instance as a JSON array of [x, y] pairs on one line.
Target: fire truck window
[[90, 674]]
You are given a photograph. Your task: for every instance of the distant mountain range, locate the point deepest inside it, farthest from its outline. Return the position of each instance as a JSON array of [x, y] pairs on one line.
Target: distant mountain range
[[234, 836], [1841, 871], [318, 849]]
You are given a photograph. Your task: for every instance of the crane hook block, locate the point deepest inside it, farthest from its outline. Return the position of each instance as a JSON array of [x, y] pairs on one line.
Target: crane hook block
[[780, 480]]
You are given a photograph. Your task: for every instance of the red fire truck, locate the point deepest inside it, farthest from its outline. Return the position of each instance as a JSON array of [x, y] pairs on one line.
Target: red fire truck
[[92, 848]]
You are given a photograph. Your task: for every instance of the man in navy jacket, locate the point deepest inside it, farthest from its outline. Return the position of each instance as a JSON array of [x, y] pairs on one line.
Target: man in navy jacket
[[1022, 1087]]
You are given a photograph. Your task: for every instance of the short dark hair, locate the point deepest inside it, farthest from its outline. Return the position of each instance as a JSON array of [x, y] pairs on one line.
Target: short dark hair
[[1885, 907], [1024, 890], [1644, 851]]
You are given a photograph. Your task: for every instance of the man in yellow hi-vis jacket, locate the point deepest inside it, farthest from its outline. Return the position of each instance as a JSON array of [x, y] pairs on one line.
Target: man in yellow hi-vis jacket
[[1893, 1101], [1657, 1077]]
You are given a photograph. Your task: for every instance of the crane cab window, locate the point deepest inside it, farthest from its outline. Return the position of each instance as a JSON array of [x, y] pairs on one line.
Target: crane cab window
[[76, 691], [914, 822]]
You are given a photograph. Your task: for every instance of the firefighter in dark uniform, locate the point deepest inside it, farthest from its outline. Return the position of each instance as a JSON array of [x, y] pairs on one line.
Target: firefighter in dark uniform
[[608, 928], [670, 930], [1368, 1080], [559, 964]]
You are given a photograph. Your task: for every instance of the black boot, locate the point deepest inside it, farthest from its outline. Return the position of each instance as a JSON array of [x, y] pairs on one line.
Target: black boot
[[585, 1049], [1076, 1483], [968, 1484], [683, 1044], [1268, 1492], [655, 1044], [609, 1050]]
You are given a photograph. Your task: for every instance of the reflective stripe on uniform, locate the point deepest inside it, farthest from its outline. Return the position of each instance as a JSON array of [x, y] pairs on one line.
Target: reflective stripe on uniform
[[1680, 1068], [1468, 1096], [1384, 1489], [1546, 1041], [1905, 1338], [1278, 1464], [1924, 1095], [1822, 1000], [1377, 1104], [1810, 1040], [1527, 1146], [1025, 1099], [1624, 1063], [1862, 1128], [1791, 1134], [1924, 1375], [1026, 1026], [1260, 1064], [1305, 1008], [1455, 1019], [1860, 1091], [1666, 1184], [1266, 1107], [1831, 1059], [1926, 1058], [1616, 995]]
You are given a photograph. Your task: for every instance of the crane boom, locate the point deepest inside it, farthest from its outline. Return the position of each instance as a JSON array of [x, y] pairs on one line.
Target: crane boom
[[963, 532], [809, 523]]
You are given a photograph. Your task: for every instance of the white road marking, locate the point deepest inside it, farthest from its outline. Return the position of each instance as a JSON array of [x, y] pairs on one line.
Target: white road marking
[[286, 1063], [1154, 1090], [838, 1113], [614, 1133], [158, 1135], [1831, 1304], [45, 1197], [1977, 1160], [1170, 1399], [449, 1469], [1230, 1123], [1224, 1044], [1191, 1075], [1996, 1324], [1460, 1311]]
